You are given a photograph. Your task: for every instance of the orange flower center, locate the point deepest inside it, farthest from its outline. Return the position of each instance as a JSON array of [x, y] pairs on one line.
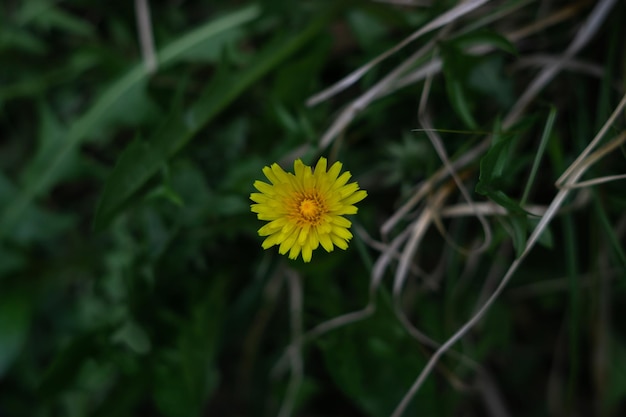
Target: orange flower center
[[308, 208]]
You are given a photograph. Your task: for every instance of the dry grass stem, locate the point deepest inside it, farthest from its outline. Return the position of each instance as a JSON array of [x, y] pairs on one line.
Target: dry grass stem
[[576, 165], [583, 36], [443, 20], [144, 27], [532, 240], [515, 36]]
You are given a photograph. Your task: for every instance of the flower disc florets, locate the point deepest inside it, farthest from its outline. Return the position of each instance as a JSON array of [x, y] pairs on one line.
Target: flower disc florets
[[306, 209]]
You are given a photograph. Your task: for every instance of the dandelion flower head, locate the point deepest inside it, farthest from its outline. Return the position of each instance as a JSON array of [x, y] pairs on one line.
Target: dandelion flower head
[[306, 209]]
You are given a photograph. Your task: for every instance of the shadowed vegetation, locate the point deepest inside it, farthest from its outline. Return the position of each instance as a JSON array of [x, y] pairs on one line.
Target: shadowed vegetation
[[486, 275]]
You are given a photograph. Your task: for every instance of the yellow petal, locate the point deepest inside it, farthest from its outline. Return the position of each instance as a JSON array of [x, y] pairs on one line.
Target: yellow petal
[[264, 187], [272, 227], [354, 198], [288, 227], [313, 239], [270, 175], [267, 216], [270, 241], [342, 180], [288, 243], [342, 232], [339, 242], [298, 168], [304, 231], [326, 243], [333, 172], [279, 173], [295, 250], [307, 252], [341, 221], [308, 180], [259, 198], [345, 210], [320, 168], [324, 228]]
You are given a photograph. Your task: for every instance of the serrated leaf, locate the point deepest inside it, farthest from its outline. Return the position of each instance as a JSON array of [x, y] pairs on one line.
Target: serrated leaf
[[109, 103]]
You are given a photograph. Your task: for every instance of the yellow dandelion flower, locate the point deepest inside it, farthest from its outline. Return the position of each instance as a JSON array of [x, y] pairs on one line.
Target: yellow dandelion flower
[[306, 209]]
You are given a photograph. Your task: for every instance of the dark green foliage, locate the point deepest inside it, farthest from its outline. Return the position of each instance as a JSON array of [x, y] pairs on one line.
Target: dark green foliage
[[132, 278]]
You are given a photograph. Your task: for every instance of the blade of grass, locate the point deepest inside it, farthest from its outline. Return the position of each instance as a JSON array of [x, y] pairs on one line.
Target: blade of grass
[[540, 151], [574, 324], [609, 232]]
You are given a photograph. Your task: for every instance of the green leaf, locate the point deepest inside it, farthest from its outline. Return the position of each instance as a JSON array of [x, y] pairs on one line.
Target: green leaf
[[457, 96], [35, 224], [192, 363], [455, 71], [374, 362], [164, 191], [493, 174], [108, 105], [51, 137], [15, 318], [518, 232], [141, 160], [494, 161], [616, 384], [367, 28], [45, 15], [141, 156], [500, 197], [65, 366], [489, 78], [133, 336]]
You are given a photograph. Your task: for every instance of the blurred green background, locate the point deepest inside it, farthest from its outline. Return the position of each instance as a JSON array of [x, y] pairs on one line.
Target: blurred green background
[[132, 279]]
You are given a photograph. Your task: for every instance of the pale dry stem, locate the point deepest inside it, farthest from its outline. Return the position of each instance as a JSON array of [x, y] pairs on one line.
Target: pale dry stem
[[407, 241], [446, 18], [532, 240], [146, 41]]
